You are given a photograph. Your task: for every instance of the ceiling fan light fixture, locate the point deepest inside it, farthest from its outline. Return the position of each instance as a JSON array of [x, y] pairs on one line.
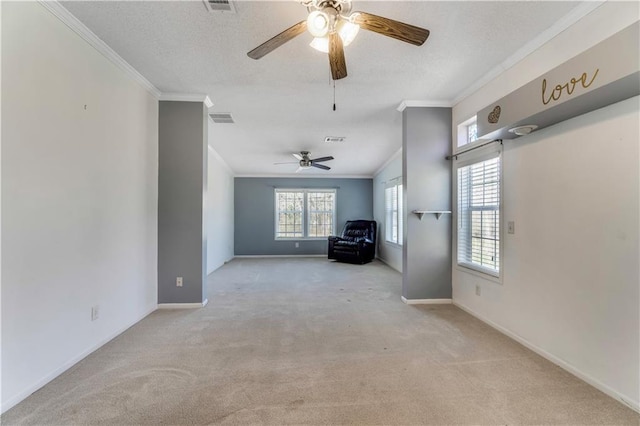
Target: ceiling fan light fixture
[[348, 32], [321, 44], [318, 23]]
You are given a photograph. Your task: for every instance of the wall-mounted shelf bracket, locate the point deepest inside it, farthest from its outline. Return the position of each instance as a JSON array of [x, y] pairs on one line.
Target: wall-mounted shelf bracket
[[438, 213]]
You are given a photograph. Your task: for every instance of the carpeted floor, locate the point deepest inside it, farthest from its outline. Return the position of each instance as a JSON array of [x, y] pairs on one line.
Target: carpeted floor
[[307, 341]]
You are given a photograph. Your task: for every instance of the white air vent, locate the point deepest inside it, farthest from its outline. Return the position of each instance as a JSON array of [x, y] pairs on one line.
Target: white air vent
[[221, 117], [220, 6], [332, 139]]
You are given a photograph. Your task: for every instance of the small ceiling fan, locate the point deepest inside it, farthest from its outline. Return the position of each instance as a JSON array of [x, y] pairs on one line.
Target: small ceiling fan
[[305, 161], [333, 26]]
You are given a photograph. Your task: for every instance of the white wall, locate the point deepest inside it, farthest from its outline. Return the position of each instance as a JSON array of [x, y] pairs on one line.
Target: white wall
[[389, 253], [570, 274], [79, 188], [219, 210]]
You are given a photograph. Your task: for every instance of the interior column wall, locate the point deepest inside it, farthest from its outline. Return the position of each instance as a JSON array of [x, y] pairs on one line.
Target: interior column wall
[[182, 188], [426, 178]]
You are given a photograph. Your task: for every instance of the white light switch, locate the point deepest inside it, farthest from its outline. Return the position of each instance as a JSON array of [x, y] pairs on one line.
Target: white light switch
[[511, 227], [179, 281]]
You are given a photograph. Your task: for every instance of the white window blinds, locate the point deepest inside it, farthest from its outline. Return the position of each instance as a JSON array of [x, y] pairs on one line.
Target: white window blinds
[[393, 213], [479, 216]]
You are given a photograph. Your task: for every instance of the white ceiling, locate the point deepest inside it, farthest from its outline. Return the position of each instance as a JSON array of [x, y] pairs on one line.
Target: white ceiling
[[282, 103]]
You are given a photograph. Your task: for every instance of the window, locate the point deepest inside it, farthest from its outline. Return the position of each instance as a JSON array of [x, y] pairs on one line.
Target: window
[[393, 212], [302, 213], [479, 215], [472, 132], [468, 132]]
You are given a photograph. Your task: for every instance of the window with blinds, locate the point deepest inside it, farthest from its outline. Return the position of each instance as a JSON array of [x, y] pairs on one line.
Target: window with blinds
[[479, 216], [393, 213], [302, 213]]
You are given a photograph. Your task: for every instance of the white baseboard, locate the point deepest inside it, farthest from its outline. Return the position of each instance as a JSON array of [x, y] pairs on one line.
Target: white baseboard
[[425, 301], [16, 399], [267, 256], [183, 305], [634, 405]]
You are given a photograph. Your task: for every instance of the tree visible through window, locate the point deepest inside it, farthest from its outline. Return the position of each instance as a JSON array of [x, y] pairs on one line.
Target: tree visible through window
[[289, 214], [302, 213]]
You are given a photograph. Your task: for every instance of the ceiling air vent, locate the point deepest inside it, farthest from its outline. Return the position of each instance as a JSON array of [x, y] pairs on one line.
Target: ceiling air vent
[[220, 6], [332, 139], [221, 117]]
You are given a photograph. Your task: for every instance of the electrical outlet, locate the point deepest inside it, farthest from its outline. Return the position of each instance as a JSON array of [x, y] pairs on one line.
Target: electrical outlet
[[511, 227], [95, 312], [179, 281], [297, 245], [478, 291]]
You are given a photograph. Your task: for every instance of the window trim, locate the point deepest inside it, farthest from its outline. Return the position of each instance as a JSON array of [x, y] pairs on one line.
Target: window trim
[[395, 182], [480, 155], [462, 140], [305, 213]]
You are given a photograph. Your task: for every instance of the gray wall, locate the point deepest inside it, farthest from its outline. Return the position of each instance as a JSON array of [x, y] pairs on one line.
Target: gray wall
[[182, 183], [426, 257], [389, 253], [255, 215]]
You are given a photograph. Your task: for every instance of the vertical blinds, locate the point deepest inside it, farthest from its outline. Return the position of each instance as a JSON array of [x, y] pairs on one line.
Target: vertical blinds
[[479, 215]]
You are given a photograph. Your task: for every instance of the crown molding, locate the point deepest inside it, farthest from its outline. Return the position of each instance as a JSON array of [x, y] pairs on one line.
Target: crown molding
[[579, 12], [94, 41], [186, 97], [424, 104], [389, 160]]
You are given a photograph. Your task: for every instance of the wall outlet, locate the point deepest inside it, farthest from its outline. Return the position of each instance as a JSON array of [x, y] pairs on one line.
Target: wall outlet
[[511, 227], [478, 290], [95, 312], [179, 281], [297, 245]]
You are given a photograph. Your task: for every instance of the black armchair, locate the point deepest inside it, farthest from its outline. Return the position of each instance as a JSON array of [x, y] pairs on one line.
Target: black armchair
[[357, 244]]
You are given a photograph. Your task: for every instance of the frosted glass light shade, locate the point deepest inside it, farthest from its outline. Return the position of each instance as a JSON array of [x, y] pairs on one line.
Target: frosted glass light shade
[[347, 32], [318, 23]]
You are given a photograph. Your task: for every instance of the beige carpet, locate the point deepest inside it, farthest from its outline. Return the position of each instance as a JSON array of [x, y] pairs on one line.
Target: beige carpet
[[307, 341]]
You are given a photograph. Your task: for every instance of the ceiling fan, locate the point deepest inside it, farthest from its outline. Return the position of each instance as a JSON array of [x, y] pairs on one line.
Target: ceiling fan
[[305, 161], [334, 26]]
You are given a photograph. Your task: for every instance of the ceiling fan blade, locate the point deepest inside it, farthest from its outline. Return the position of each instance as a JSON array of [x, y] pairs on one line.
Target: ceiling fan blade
[[321, 159], [320, 166], [299, 169], [390, 28], [297, 157], [277, 41], [336, 57], [287, 162]]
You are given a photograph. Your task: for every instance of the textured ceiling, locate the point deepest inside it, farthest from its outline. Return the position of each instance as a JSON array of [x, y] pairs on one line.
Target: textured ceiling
[[282, 103]]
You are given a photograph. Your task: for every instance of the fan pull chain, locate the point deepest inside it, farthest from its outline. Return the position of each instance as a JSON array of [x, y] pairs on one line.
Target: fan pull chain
[[334, 95]]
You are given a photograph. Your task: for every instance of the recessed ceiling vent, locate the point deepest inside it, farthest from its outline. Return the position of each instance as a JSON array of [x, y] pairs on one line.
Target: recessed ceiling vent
[[220, 6], [332, 139], [222, 117]]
